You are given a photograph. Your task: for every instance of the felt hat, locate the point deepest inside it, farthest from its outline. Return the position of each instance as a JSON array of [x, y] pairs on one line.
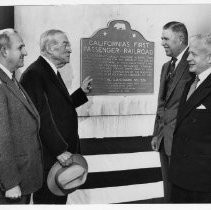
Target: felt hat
[[64, 180]]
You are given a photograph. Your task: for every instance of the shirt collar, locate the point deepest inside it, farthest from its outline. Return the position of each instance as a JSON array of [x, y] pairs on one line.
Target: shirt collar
[[179, 57], [203, 76], [6, 71], [51, 64]]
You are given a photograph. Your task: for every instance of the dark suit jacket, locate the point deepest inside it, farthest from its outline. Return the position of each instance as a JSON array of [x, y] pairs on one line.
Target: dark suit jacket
[[165, 120], [59, 123], [20, 146], [191, 151]]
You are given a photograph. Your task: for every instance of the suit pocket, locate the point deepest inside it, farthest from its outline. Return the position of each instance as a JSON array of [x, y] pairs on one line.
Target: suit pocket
[[208, 156], [203, 111]]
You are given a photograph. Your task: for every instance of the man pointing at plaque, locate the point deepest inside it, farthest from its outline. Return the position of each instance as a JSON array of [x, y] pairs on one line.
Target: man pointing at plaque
[[174, 76], [59, 123]]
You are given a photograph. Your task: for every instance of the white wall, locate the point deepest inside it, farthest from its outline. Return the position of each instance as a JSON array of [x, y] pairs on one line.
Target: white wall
[[109, 115]]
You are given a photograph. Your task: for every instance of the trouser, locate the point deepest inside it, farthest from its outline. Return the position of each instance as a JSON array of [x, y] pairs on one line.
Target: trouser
[[165, 162], [180, 195], [44, 195]]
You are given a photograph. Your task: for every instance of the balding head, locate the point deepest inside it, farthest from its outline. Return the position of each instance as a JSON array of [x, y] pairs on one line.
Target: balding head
[[5, 35], [48, 38], [200, 53], [12, 49], [55, 46], [204, 41]]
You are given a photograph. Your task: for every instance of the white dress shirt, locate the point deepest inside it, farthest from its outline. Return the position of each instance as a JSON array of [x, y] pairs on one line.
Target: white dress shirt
[[51, 64], [6, 71], [179, 57], [202, 76]]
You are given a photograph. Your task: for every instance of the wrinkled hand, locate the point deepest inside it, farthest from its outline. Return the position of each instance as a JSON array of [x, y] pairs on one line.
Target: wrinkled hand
[[13, 193], [154, 143], [87, 84], [64, 159]]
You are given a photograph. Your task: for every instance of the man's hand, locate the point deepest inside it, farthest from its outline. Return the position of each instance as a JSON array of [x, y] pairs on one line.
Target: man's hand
[[154, 143], [64, 159], [86, 84], [13, 193]]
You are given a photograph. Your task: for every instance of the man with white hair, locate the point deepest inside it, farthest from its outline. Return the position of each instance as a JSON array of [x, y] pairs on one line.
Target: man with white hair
[[59, 123], [190, 169], [21, 168]]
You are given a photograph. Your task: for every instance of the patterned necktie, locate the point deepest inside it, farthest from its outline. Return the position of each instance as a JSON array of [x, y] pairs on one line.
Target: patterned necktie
[[193, 87], [169, 76], [171, 68]]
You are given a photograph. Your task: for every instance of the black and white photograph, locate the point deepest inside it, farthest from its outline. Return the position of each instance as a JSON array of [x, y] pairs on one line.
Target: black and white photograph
[[105, 103]]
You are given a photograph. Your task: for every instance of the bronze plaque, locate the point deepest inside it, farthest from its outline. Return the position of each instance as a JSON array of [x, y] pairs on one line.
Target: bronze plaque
[[119, 60]]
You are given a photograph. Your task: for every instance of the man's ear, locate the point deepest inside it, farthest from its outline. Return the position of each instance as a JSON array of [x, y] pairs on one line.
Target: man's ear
[[3, 51], [49, 48], [181, 37]]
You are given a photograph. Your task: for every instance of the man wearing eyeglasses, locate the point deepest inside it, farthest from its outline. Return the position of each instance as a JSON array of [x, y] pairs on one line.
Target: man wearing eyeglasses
[[59, 123]]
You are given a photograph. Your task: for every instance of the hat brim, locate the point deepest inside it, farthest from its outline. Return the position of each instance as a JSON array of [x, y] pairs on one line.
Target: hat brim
[[64, 180]]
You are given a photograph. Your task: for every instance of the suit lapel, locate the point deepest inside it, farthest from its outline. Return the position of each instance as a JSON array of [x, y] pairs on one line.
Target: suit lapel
[[200, 93], [17, 93], [30, 102], [180, 69], [163, 80], [53, 77]]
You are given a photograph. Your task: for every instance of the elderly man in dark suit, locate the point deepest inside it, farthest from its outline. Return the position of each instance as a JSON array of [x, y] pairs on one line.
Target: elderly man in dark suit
[[190, 170], [21, 168], [174, 76], [59, 123]]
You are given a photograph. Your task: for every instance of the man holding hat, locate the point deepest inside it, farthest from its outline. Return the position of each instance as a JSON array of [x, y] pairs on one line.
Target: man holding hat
[[63, 180], [59, 123]]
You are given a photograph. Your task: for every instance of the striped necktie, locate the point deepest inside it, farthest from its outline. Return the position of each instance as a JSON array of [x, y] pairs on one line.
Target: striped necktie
[[17, 84]]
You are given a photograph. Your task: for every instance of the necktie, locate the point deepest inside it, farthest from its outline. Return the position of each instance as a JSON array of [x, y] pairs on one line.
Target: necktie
[[17, 84], [60, 79], [193, 87], [171, 68], [169, 76], [15, 81]]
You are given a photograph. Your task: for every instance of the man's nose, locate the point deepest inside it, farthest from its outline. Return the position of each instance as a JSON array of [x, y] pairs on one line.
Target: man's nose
[[189, 57], [163, 42], [69, 49], [24, 52]]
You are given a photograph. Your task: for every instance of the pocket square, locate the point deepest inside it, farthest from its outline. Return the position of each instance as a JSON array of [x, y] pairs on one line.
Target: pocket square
[[201, 107]]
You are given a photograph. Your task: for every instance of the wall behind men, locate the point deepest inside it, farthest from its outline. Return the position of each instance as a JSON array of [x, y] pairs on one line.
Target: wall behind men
[[112, 116], [118, 115]]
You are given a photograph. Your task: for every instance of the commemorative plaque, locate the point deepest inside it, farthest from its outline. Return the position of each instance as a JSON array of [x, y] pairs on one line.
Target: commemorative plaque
[[119, 60]]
